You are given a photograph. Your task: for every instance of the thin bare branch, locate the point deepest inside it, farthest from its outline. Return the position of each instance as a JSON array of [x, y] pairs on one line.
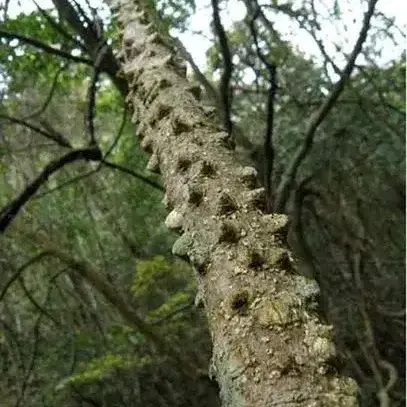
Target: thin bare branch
[[5, 9], [109, 64], [383, 393], [175, 312], [9, 212], [49, 97], [34, 354], [34, 302], [67, 183], [43, 47], [98, 282], [53, 135], [18, 272], [210, 90], [133, 174], [288, 179], [118, 136]]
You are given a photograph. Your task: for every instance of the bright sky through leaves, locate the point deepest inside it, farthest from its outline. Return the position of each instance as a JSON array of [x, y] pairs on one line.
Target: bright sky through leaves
[[343, 33]]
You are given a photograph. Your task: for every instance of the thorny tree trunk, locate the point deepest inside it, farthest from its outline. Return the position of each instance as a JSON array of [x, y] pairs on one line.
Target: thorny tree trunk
[[269, 346]]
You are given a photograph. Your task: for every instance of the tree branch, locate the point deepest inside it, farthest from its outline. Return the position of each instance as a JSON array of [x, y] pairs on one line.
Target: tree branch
[[225, 93], [268, 136], [34, 355], [59, 28], [98, 282], [49, 97], [34, 302], [18, 272], [210, 90], [43, 47], [91, 97], [133, 174], [51, 135], [109, 64], [288, 179], [9, 212]]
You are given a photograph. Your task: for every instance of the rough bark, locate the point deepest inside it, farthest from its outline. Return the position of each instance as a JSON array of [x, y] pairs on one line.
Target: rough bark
[[269, 345]]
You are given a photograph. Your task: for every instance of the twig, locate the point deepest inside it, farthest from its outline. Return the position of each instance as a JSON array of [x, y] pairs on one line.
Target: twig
[[132, 173], [54, 133], [5, 9], [83, 176], [49, 97], [84, 15], [34, 354], [103, 161], [383, 393], [118, 136], [66, 183]]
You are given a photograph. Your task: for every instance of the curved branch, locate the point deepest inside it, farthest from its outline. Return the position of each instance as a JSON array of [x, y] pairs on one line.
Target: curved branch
[[118, 136], [287, 181], [49, 97], [98, 282], [107, 164], [4, 8], [18, 272], [9, 212], [82, 176], [43, 47], [34, 355], [34, 302], [66, 183]]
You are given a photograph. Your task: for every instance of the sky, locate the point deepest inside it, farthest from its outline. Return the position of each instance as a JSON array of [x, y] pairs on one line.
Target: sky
[[344, 33]]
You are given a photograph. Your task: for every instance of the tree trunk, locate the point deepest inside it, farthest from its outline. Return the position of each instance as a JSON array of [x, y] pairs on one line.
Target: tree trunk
[[269, 346]]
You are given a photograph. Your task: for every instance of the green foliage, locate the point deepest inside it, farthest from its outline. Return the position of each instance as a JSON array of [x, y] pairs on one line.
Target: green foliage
[[166, 284], [121, 335], [21, 62], [173, 14], [173, 303], [156, 268], [97, 369]]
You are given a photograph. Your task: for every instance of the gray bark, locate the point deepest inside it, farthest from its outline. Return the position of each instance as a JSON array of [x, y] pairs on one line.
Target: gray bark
[[269, 345]]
